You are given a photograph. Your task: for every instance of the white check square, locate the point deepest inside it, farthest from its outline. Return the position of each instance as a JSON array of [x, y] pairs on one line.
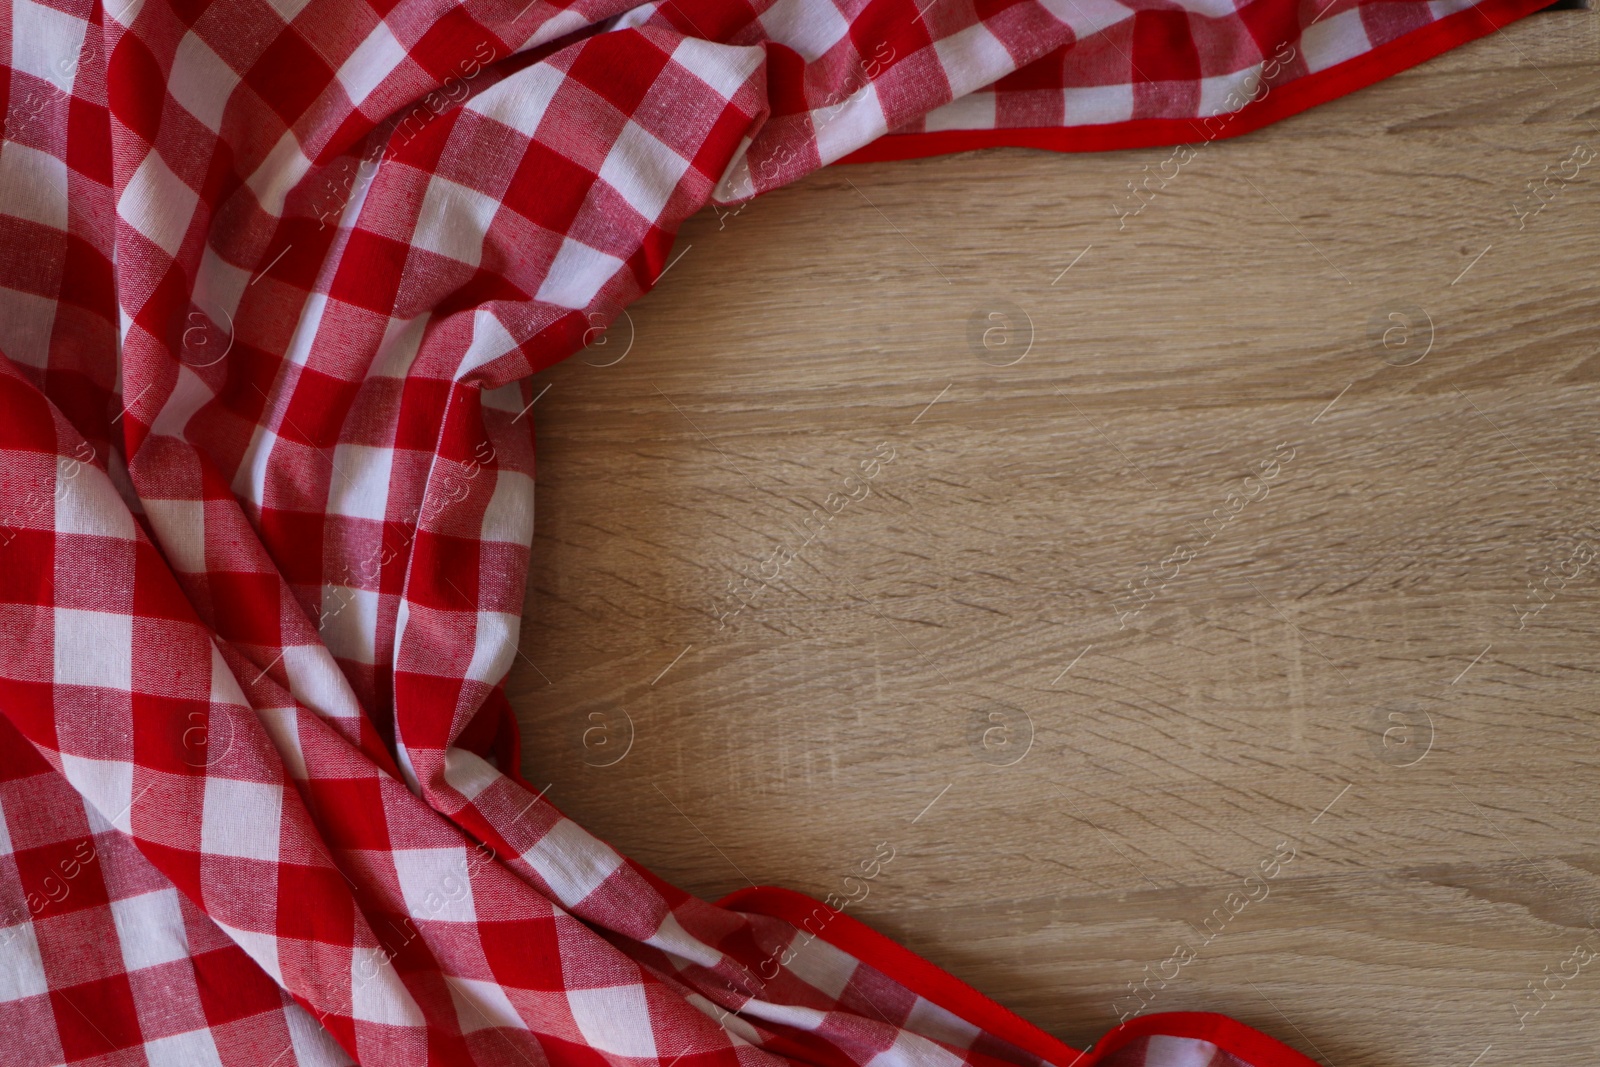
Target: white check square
[[568, 859], [643, 170], [201, 81], [241, 819], [434, 883], [158, 203], [614, 1019], [150, 929], [93, 648], [577, 274]]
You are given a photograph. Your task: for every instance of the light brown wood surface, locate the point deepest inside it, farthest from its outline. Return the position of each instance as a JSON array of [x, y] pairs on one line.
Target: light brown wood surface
[[1279, 688]]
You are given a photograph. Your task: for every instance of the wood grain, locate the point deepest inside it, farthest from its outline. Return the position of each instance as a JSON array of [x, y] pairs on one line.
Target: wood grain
[[1348, 659]]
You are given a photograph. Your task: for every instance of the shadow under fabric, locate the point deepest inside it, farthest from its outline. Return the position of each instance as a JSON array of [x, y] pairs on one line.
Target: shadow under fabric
[[273, 274]]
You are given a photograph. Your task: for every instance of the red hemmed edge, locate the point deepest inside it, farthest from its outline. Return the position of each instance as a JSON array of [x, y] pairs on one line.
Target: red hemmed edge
[[905, 967], [949, 992], [1228, 1034], [1289, 99]]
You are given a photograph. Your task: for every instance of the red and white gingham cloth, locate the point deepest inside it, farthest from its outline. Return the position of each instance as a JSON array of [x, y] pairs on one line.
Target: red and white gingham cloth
[[272, 275]]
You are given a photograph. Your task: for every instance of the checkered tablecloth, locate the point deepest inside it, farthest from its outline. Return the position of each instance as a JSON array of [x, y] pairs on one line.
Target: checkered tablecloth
[[272, 276]]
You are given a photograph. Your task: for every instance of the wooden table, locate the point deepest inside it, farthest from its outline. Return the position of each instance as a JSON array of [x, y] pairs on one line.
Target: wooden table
[[1208, 536]]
